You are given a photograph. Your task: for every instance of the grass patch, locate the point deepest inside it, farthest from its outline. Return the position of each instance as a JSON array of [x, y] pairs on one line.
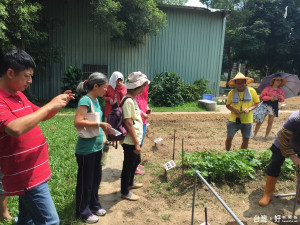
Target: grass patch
[[166, 216], [67, 111], [186, 107]]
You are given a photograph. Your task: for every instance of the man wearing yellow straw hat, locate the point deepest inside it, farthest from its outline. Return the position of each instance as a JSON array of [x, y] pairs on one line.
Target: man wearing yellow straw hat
[[240, 101]]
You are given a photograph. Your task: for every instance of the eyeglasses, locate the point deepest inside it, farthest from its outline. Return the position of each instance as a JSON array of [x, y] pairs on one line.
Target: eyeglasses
[[278, 79]]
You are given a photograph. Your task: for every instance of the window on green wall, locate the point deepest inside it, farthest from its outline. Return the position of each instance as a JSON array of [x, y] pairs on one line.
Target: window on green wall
[[88, 69]]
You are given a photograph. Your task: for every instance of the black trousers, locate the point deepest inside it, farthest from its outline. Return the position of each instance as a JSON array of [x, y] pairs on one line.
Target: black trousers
[[88, 181], [130, 163], [277, 160]]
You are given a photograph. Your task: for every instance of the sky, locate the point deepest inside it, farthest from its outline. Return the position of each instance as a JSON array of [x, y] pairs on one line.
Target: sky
[[194, 3]]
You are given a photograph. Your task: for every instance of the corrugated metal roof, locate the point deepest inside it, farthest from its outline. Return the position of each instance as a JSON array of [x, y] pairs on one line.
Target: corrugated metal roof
[[197, 8]]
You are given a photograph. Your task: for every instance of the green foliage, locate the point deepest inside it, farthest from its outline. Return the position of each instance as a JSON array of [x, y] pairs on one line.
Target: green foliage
[[129, 20], [186, 107], [18, 24], [72, 77], [223, 77], [256, 75], [61, 137], [199, 88], [24, 26], [186, 91], [233, 165], [165, 90], [195, 91], [258, 34]]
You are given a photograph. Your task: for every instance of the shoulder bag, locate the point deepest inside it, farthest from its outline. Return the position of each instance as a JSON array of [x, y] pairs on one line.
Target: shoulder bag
[[90, 132]]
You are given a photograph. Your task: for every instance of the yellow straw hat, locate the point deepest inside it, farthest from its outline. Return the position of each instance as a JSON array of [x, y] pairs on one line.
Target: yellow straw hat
[[240, 76], [283, 81]]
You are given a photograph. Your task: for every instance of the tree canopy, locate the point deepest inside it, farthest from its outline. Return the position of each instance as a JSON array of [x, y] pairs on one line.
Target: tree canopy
[[258, 34], [19, 24], [267, 40], [128, 20]]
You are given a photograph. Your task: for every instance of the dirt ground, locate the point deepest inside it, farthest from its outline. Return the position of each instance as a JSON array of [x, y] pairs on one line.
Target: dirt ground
[[164, 200]]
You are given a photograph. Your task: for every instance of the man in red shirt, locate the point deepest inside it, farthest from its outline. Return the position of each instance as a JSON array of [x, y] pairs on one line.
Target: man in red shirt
[[24, 158]]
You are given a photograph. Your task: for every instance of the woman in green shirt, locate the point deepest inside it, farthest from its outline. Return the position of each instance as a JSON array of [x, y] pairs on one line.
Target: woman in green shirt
[[89, 150]]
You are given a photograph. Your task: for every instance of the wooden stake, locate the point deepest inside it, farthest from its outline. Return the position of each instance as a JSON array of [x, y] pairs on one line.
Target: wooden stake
[[174, 145], [182, 164], [205, 211]]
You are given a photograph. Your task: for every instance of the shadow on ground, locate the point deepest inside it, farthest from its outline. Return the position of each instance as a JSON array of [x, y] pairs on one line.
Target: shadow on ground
[[278, 207]]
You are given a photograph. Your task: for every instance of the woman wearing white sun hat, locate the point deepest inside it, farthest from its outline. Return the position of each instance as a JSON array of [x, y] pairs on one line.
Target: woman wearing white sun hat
[[137, 81]]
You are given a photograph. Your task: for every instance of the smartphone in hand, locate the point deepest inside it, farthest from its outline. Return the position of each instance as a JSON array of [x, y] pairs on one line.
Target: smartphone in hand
[[116, 133]]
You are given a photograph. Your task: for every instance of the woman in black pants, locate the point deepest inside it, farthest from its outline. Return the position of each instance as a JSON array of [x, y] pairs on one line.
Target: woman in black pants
[[286, 144], [137, 81]]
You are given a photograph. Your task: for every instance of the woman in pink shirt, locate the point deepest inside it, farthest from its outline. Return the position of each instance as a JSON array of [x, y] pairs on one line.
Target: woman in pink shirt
[[270, 97], [142, 101]]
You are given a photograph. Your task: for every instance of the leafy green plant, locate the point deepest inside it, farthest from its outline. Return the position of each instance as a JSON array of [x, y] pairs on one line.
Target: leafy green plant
[[166, 216], [167, 89], [130, 21], [187, 92], [199, 88], [233, 165], [72, 76], [195, 91], [164, 90]]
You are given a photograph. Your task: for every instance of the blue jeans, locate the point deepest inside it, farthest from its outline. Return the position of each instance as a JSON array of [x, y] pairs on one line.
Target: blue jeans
[[144, 133], [36, 207]]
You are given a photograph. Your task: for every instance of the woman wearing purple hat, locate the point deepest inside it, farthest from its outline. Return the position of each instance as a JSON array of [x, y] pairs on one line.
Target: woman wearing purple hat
[[270, 97]]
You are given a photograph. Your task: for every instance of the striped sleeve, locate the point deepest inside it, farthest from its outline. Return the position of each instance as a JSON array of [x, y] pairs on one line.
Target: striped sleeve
[[284, 138], [5, 116]]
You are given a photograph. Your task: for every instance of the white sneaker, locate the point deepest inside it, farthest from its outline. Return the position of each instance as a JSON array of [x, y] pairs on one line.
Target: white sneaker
[[91, 219], [100, 212]]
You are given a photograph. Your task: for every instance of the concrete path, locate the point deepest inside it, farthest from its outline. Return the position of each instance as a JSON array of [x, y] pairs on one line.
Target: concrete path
[[109, 192]]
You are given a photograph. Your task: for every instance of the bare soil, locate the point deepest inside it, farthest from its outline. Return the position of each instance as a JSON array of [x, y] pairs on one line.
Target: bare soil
[[167, 200]]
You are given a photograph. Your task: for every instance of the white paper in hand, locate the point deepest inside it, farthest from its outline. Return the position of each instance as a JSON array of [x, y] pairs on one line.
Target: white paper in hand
[[116, 133]]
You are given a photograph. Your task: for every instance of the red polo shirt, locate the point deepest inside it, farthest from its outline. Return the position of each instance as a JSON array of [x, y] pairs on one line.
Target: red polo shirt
[[24, 160]]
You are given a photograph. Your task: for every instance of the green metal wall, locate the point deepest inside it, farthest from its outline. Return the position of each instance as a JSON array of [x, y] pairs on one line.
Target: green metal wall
[[191, 45]]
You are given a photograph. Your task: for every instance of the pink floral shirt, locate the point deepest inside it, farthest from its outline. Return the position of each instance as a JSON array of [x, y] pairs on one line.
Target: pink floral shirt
[[269, 92]]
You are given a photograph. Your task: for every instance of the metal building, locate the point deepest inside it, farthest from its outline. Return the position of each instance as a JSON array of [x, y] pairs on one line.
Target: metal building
[[191, 45]]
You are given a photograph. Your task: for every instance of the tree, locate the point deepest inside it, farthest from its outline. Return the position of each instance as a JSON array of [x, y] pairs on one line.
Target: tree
[[235, 20], [258, 33], [128, 20], [18, 24], [268, 40], [23, 26]]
